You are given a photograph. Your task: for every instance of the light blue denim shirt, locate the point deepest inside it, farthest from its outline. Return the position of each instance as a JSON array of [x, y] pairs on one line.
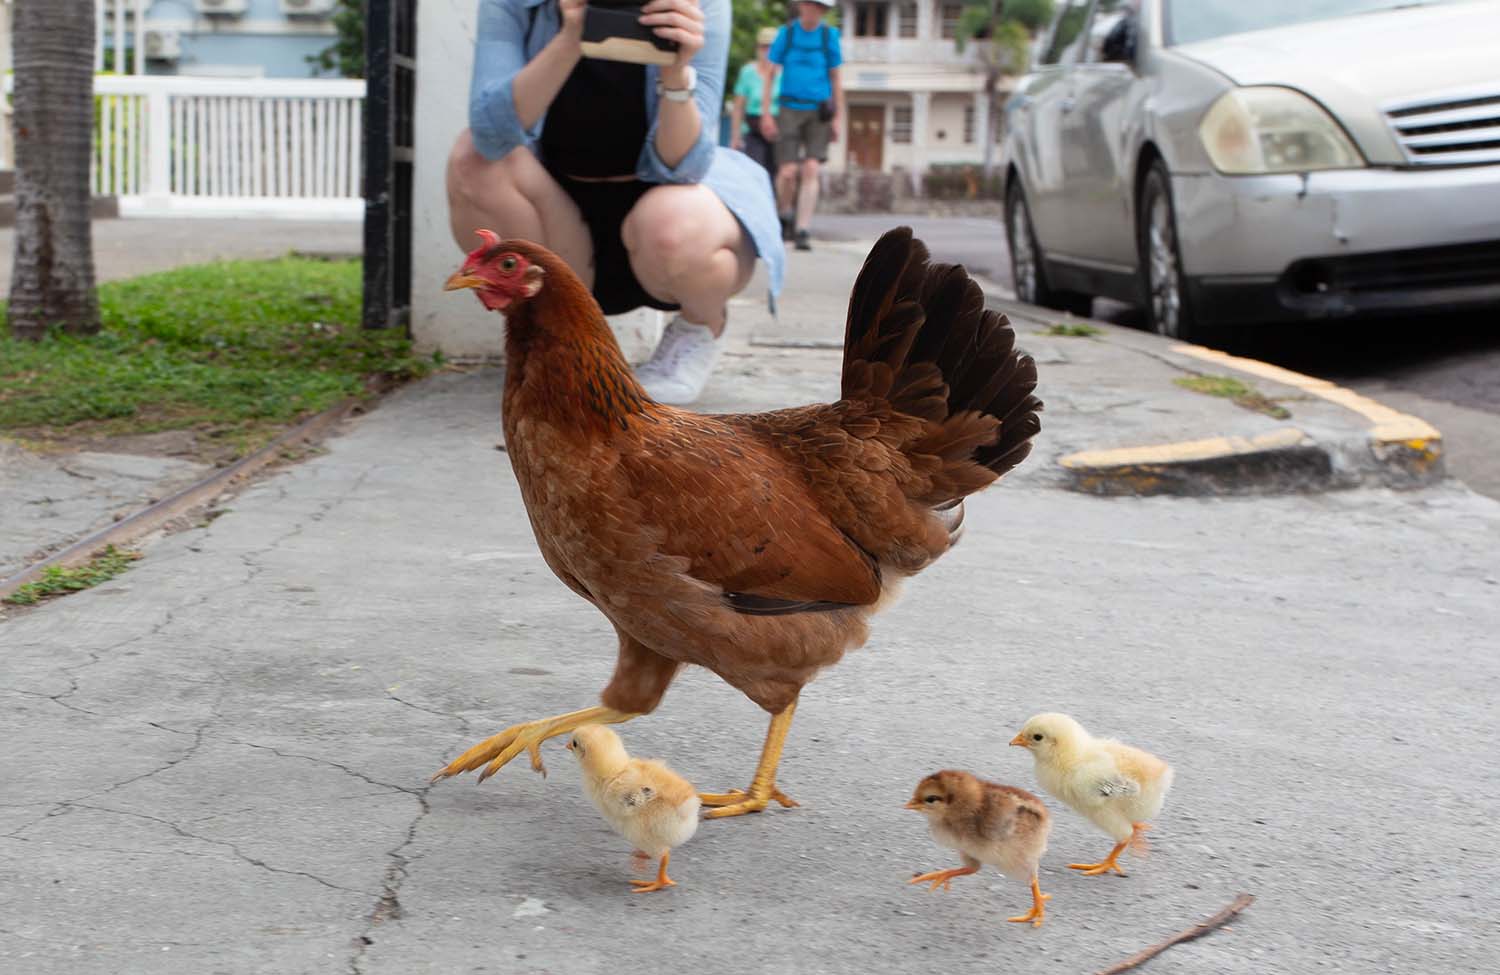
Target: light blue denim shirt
[[503, 47]]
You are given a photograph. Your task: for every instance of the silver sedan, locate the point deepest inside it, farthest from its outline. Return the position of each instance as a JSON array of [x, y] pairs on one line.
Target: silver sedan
[[1224, 163]]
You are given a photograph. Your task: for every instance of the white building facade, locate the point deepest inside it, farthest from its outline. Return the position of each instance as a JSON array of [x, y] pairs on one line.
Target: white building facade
[[914, 101]]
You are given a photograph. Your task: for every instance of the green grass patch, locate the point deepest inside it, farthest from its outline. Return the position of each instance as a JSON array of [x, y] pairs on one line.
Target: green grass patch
[[237, 348], [1241, 393], [1072, 330], [59, 581]]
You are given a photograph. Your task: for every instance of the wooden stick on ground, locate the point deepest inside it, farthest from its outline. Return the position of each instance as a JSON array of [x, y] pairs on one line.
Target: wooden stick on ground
[[1196, 931]]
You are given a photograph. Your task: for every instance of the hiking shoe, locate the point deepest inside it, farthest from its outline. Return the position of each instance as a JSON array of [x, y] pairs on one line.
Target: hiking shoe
[[684, 359], [804, 242], [786, 226]]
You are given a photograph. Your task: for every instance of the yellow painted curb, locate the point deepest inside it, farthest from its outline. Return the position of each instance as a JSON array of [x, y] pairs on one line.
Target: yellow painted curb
[[1185, 452], [1387, 425]]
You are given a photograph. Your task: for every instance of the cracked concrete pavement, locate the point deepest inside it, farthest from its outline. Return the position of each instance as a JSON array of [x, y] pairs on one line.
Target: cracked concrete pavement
[[218, 761]]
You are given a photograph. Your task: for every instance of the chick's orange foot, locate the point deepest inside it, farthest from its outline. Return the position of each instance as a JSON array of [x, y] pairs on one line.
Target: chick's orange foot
[[662, 880], [497, 750], [942, 878], [1038, 907], [1109, 863]]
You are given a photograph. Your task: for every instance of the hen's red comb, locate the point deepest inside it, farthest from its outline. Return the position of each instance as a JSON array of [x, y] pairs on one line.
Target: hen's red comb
[[489, 239]]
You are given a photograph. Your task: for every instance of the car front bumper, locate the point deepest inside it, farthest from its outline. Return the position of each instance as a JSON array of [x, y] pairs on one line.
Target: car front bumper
[[1339, 243]]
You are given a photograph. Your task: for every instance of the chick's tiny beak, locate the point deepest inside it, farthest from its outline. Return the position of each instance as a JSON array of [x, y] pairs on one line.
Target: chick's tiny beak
[[462, 280], [1019, 740], [913, 804]]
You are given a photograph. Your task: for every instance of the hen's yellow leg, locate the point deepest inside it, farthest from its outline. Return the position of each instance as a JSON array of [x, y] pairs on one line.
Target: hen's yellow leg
[[1038, 905], [662, 880], [499, 749], [942, 878], [763, 789]]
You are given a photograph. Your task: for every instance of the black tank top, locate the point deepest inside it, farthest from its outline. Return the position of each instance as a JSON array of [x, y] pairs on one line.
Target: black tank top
[[597, 123]]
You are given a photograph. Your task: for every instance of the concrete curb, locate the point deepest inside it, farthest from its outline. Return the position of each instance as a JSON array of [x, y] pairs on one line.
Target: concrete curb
[[156, 516], [1397, 450]]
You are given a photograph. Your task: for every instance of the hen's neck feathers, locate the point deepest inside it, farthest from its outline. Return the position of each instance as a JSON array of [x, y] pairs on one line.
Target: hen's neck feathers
[[562, 356]]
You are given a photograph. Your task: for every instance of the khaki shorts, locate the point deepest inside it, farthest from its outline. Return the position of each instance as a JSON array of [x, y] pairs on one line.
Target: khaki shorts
[[800, 135]]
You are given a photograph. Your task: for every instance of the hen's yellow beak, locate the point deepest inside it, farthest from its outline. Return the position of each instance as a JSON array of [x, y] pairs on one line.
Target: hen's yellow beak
[[462, 280], [912, 804], [1020, 740]]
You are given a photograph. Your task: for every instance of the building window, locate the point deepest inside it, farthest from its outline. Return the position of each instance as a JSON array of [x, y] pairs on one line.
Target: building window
[[906, 23], [968, 125], [950, 13], [870, 19], [901, 124]]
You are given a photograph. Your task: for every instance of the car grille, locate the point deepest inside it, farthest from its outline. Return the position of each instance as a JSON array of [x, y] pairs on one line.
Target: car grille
[[1426, 269], [1454, 130]]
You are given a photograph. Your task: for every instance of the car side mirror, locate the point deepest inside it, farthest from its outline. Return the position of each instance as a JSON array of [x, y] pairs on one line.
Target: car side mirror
[[1119, 43]]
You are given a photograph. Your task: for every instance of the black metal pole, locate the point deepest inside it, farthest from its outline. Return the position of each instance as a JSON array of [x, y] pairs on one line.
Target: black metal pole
[[380, 21]]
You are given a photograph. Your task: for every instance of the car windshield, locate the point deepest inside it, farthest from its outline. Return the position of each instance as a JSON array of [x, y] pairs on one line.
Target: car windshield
[[1202, 20]]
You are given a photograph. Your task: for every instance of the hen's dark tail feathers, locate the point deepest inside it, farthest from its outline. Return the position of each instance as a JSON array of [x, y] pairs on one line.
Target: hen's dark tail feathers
[[919, 337]]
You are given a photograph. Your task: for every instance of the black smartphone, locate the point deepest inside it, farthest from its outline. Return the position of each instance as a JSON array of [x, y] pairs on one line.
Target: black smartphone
[[612, 31]]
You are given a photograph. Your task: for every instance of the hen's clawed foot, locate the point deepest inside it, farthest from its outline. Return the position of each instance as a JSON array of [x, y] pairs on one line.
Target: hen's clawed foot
[[497, 750], [737, 802], [941, 879]]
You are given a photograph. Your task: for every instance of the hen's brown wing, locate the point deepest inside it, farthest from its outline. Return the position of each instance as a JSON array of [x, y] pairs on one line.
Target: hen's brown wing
[[744, 519]]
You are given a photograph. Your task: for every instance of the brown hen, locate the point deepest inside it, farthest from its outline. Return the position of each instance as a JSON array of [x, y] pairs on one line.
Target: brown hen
[[756, 545]]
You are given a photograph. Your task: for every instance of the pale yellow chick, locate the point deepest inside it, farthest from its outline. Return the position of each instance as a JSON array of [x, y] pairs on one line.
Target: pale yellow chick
[[985, 822], [643, 800], [1113, 785]]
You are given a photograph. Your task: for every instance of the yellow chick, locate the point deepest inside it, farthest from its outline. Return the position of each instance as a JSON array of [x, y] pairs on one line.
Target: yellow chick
[[1111, 784], [642, 800], [985, 822]]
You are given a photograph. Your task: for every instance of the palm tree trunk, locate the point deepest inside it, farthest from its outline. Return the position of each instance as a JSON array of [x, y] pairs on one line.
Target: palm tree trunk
[[52, 278]]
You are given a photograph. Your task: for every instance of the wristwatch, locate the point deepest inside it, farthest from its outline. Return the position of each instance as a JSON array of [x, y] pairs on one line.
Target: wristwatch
[[682, 94]]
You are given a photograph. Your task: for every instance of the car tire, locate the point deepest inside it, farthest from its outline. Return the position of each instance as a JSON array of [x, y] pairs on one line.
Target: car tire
[[1028, 267], [1159, 257]]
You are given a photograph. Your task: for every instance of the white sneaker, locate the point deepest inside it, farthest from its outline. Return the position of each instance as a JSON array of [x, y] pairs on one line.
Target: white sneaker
[[684, 359]]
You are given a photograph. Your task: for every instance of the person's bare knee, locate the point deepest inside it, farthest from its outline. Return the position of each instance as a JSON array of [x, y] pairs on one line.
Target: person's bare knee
[[809, 169], [666, 235]]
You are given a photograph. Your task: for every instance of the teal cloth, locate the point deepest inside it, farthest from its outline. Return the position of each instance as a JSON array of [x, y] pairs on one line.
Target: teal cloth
[[749, 84]]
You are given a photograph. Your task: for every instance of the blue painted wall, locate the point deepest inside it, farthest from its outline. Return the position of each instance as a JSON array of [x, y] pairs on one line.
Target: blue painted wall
[[263, 37]]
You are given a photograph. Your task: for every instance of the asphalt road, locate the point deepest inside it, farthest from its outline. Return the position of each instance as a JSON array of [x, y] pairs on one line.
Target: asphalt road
[[1443, 368]]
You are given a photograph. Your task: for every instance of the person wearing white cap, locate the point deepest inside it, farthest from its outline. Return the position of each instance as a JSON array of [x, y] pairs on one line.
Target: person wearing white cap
[[807, 56]]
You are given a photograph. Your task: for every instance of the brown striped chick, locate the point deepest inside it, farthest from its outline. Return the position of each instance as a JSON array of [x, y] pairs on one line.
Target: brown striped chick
[[1000, 825], [1111, 784], [641, 799]]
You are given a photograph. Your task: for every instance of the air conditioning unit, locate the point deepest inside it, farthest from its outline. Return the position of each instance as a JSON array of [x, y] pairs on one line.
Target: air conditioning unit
[[222, 8], [163, 44], [308, 8]]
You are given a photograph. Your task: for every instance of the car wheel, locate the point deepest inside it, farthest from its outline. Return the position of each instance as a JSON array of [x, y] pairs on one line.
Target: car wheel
[[1027, 264], [1160, 258]]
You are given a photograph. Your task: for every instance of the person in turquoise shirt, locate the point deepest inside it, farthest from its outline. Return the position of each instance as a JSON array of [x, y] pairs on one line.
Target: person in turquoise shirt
[[807, 57], [748, 108]]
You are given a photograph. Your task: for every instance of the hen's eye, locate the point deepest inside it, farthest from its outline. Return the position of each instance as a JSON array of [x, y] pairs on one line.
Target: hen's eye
[[930, 800], [1036, 737], [508, 264]]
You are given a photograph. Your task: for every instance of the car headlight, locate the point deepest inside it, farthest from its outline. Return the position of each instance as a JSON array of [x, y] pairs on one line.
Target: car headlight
[[1273, 130]]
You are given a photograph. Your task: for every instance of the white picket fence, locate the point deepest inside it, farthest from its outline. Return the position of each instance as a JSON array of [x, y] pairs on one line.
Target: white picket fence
[[230, 146]]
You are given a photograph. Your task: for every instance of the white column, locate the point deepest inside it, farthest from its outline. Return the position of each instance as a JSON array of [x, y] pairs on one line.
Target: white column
[[158, 183], [921, 102], [7, 158], [927, 23], [981, 118]]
